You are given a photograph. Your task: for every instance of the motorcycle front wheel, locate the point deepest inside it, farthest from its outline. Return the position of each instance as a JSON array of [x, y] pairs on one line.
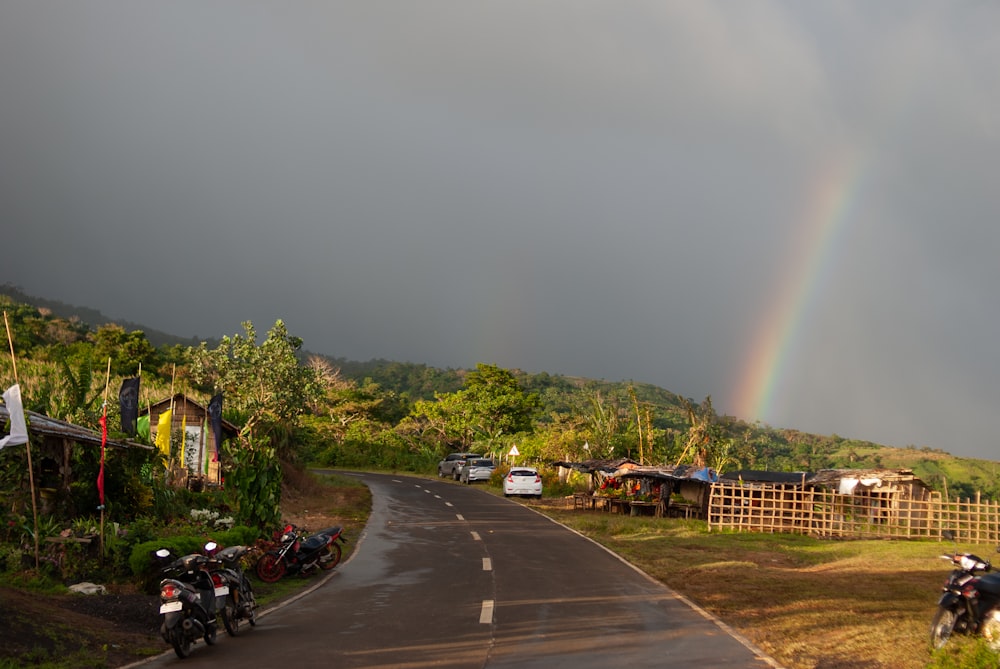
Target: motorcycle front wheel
[[270, 568], [181, 642], [331, 558], [943, 625]]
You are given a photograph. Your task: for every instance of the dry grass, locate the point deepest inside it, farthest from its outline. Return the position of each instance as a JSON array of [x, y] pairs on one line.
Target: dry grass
[[313, 501], [809, 603]]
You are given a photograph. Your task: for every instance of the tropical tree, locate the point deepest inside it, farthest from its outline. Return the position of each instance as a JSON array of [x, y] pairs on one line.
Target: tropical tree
[[270, 390], [264, 383], [607, 426], [703, 435], [127, 351], [492, 404], [343, 401]]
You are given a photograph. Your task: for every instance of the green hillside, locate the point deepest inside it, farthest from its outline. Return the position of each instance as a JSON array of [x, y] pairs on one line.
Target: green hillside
[[623, 418]]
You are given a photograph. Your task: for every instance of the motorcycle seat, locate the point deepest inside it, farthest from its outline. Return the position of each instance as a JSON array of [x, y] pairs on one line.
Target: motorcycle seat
[[231, 554], [332, 531], [989, 583], [315, 541]]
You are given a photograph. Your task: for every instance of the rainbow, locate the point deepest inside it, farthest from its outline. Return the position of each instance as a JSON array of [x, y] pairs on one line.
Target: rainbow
[[828, 212]]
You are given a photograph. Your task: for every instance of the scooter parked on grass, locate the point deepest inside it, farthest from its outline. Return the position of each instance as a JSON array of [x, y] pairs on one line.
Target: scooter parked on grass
[[187, 601], [295, 554], [236, 602], [970, 603]]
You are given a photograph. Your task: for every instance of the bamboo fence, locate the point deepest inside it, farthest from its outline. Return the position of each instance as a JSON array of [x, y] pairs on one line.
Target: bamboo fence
[[827, 513]]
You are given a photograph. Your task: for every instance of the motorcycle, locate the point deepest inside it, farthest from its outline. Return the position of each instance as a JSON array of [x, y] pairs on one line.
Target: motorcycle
[[295, 554], [187, 601], [970, 603], [236, 601]]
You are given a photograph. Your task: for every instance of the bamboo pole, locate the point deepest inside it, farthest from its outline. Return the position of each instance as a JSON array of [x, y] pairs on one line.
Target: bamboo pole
[[170, 430], [27, 446], [107, 381]]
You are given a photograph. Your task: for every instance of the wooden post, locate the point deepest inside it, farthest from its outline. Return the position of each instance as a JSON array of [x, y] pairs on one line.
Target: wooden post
[[27, 447], [107, 380]]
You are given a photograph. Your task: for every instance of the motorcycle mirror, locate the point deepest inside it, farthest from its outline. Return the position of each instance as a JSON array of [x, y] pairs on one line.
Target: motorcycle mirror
[[162, 553]]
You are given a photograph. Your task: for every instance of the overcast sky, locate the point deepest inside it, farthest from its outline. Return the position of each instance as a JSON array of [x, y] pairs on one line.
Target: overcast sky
[[791, 207]]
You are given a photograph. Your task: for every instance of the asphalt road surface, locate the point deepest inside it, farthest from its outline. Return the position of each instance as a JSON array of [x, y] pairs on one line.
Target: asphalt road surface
[[448, 575]]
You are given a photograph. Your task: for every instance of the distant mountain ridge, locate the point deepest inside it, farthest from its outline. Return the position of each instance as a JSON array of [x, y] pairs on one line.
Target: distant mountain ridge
[[95, 318]]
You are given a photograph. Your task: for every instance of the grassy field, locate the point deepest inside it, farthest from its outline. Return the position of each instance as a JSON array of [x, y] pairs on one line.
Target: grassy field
[[809, 603]]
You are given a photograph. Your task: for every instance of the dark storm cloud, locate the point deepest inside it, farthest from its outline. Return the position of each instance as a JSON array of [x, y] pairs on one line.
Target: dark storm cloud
[[599, 189]]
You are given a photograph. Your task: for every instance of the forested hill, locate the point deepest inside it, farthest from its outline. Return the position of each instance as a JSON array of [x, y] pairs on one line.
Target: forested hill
[[581, 405], [94, 318]]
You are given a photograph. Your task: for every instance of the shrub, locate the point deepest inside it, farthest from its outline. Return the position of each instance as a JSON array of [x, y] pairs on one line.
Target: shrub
[[146, 567]]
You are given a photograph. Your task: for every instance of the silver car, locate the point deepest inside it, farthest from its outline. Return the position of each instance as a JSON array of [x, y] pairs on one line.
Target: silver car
[[477, 469], [522, 481]]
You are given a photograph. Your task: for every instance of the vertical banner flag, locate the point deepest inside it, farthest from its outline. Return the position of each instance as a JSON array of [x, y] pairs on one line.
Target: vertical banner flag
[[163, 432], [104, 442], [184, 440], [128, 398], [18, 428], [215, 418], [142, 427]]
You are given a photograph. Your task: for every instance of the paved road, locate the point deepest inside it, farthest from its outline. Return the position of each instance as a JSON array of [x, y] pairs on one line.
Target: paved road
[[447, 575]]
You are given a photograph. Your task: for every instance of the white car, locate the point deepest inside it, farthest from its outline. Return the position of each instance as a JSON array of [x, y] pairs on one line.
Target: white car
[[522, 481]]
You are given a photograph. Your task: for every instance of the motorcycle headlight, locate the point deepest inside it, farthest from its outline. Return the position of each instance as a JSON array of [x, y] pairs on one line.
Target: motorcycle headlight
[[970, 563]]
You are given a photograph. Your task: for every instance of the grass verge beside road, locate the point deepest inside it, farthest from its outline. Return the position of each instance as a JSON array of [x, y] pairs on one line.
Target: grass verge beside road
[[809, 603]]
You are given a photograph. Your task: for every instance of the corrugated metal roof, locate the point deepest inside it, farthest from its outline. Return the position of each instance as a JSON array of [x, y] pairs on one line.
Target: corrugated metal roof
[[833, 476], [764, 476], [46, 426], [591, 466]]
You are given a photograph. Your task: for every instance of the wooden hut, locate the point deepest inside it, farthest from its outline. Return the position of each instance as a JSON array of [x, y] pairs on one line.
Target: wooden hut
[[681, 490], [194, 463], [52, 442]]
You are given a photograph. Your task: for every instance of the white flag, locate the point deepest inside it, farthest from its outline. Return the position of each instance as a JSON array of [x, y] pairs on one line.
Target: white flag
[[18, 430]]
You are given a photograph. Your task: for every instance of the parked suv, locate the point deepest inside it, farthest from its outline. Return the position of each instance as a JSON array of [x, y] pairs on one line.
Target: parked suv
[[476, 469], [452, 465]]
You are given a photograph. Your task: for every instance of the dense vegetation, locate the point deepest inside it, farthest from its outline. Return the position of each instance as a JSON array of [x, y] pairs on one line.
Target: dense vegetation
[[614, 419], [296, 408]]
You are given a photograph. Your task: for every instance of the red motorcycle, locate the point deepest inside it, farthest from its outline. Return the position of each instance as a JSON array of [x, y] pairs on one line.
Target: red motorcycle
[[296, 554]]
